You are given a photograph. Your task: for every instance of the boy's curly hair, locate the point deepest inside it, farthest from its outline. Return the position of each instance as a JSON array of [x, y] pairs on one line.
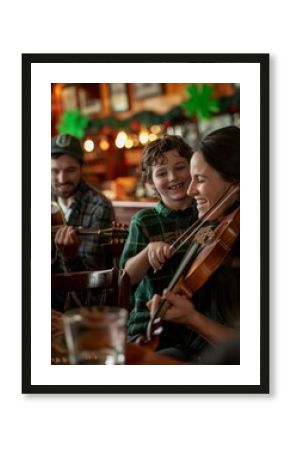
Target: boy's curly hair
[[153, 153]]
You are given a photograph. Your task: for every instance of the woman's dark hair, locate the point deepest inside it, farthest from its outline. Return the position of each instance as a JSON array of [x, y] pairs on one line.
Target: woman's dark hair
[[221, 150], [154, 153]]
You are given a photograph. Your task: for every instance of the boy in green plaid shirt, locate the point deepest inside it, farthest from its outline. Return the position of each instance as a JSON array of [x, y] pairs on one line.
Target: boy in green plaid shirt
[[166, 167]]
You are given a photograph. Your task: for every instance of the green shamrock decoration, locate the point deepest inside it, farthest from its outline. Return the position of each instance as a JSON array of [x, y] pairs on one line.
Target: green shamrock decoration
[[73, 123], [200, 102]]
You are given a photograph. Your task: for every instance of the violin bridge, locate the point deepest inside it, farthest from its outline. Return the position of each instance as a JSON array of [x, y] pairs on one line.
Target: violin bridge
[[204, 235]]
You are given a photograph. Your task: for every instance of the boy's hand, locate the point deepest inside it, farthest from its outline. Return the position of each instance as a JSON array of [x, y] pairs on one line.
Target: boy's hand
[[158, 253]]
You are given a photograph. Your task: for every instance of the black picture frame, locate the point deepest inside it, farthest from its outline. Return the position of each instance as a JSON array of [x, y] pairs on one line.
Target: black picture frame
[[260, 60]]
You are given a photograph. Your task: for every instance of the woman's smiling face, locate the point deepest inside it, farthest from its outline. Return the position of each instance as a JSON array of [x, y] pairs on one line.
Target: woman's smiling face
[[207, 185]]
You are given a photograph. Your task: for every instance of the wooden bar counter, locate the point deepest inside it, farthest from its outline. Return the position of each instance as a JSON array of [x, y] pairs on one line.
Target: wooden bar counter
[[124, 210]]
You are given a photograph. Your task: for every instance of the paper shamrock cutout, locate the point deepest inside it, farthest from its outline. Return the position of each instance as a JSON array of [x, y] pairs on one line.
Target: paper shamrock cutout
[[201, 102], [73, 123]]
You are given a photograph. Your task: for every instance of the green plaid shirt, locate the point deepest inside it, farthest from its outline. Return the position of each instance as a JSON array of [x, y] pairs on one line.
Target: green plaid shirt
[[90, 209], [149, 225]]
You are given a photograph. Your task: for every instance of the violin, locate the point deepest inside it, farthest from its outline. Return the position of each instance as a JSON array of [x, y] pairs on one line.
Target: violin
[[198, 264]]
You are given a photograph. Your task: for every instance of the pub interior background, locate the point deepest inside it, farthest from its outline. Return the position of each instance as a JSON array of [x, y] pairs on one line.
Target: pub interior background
[[115, 121]]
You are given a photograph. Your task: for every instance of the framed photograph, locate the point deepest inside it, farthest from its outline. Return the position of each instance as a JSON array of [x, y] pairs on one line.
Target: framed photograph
[[145, 90], [119, 97], [153, 375]]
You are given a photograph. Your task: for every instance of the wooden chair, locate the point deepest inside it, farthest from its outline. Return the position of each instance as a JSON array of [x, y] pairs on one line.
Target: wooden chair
[[115, 280]]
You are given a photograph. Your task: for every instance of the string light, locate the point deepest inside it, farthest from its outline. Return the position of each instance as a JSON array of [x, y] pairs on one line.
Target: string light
[[152, 137], [129, 143], [156, 129], [104, 145], [121, 139], [143, 137], [89, 145]]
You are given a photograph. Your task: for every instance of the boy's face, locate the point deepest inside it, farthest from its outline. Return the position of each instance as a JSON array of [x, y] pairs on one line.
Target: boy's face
[[171, 178]]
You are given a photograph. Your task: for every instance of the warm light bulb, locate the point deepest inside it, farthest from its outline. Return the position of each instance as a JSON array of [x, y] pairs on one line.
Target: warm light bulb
[[104, 145], [152, 137], [143, 137], [89, 145], [155, 129], [129, 143], [121, 139]]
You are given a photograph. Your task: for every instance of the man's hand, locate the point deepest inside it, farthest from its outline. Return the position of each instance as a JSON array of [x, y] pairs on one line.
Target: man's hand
[[67, 242]]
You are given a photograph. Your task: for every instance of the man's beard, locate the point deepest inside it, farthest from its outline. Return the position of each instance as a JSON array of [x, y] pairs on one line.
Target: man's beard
[[67, 192]]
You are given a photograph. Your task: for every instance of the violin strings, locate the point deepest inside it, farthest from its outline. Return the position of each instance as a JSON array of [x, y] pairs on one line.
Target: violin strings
[[188, 230]]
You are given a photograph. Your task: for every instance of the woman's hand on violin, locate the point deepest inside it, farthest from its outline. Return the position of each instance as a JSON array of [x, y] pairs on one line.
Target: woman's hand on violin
[[67, 241], [181, 310], [158, 253]]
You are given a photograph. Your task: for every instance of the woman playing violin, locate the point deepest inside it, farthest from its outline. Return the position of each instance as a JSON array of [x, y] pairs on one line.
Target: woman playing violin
[[212, 315]]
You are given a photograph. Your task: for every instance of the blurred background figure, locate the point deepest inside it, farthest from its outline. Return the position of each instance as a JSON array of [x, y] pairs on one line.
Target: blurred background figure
[[80, 205]]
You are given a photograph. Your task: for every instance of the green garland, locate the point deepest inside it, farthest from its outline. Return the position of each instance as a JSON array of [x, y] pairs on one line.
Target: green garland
[[147, 118], [199, 106]]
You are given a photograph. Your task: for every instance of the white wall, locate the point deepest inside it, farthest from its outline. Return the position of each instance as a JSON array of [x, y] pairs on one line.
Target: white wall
[[200, 421]]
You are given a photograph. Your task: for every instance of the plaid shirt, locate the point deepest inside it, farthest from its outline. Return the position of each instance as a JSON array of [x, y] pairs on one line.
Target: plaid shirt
[[149, 225], [90, 209]]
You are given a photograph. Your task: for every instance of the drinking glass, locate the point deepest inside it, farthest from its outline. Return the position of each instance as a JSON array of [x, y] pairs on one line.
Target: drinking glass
[[96, 335]]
